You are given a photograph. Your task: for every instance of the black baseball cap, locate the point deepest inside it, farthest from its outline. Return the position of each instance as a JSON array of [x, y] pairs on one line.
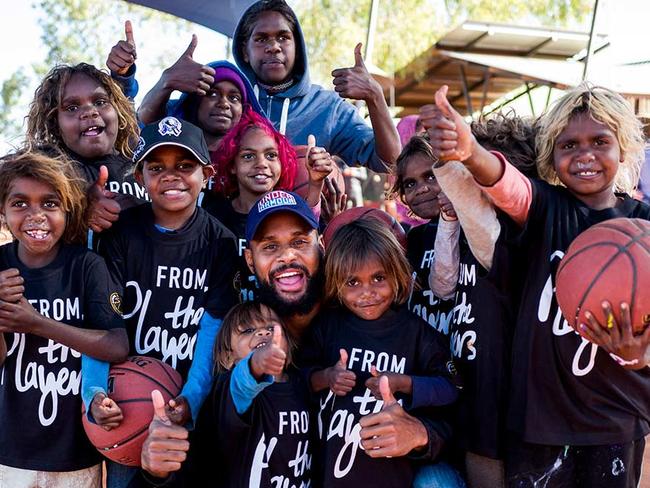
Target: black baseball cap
[[277, 201], [171, 131]]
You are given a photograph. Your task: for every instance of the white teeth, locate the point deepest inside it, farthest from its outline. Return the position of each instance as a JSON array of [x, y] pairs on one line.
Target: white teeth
[[261, 177], [587, 173], [260, 345], [172, 192], [288, 275], [37, 234]]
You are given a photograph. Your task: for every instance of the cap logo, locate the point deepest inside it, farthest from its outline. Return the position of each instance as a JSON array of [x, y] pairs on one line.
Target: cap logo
[[275, 199], [139, 148], [170, 126]]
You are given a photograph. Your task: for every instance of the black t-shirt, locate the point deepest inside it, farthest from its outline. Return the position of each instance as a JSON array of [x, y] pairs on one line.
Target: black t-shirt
[[120, 177], [169, 280], [40, 404], [481, 343], [270, 445], [244, 283], [422, 302], [566, 390], [397, 342]]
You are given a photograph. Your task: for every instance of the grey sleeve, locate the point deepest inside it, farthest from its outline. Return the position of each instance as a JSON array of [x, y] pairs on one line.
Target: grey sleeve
[[443, 275], [476, 214]]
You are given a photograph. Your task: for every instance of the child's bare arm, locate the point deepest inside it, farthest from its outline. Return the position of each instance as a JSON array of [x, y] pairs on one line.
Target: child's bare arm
[[337, 378], [398, 382], [3, 349], [107, 345]]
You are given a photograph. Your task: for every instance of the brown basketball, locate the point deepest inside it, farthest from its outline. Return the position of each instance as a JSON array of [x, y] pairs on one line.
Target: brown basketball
[[608, 262], [357, 213], [302, 175], [130, 385]]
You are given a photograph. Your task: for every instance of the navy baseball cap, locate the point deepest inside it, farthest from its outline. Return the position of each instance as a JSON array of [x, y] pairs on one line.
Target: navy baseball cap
[[171, 131], [278, 201]]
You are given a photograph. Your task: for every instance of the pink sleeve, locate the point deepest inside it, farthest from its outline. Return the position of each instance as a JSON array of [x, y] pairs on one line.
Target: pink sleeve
[[513, 193], [316, 210]]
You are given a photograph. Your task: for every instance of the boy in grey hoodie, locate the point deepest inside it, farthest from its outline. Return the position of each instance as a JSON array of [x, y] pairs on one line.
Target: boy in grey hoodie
[[269, 48]]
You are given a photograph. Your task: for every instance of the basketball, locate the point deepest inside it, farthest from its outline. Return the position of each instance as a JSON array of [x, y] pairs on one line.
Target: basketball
[[302, 175], [609, 261], [130, 385], [356, 213]]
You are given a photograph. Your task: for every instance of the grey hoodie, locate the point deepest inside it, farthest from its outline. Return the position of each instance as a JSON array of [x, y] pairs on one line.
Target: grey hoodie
[[305, 108]]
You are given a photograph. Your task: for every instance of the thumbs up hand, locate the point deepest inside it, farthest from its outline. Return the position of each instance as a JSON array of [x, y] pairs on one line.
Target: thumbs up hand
[[391, 432], [187, 75], [449, 135], [166, 446], [396, 382], [319, 163], [103, 210], [356, 82], [339, 378], [123, 54], [271, 358]]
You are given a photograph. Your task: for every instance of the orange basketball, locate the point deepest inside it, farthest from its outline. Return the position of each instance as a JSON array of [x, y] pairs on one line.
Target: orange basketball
[[130, 385], [357, 213], [608, 262]]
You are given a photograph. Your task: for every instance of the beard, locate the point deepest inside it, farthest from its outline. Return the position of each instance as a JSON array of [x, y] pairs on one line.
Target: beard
[[303, 305]]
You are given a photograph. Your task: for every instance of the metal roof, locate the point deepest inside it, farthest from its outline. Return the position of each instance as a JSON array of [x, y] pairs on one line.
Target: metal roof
[[482, 62], [493, 38]]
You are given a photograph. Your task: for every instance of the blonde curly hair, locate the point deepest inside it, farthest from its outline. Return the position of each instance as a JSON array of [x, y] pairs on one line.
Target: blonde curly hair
[[606, 107]]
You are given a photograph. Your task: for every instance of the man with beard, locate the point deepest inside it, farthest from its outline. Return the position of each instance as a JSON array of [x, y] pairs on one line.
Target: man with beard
[[286, 255]]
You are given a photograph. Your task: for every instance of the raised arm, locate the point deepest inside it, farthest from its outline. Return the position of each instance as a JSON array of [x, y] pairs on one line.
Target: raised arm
[[185, 75], [452, 140], [357, 83]]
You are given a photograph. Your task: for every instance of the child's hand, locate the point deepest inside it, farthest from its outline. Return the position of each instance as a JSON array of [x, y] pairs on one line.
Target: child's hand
[[333, 200], [102, 210], [166, 446], [178, 410], [450, 136], [396, 381], [618, 339], [123, 55], [340, 380], [187, 75], [19, 317], [319, 162], [11, 285], [270, 359], [356, 82], [106, 412], [447, 209]]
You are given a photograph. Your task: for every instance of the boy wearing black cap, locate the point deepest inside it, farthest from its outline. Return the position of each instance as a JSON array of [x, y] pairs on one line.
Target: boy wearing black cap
[[176, 264]]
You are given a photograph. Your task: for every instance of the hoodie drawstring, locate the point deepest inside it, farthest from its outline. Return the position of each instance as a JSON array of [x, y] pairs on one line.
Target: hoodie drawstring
[[284, 116]]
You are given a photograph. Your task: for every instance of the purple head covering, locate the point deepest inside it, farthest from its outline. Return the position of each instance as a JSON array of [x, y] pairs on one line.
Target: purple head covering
[[225, 74], [406, 128]]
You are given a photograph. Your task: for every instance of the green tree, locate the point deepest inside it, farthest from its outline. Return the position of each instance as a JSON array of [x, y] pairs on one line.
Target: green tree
[[73, 31], [12, 87], [406, 28]]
